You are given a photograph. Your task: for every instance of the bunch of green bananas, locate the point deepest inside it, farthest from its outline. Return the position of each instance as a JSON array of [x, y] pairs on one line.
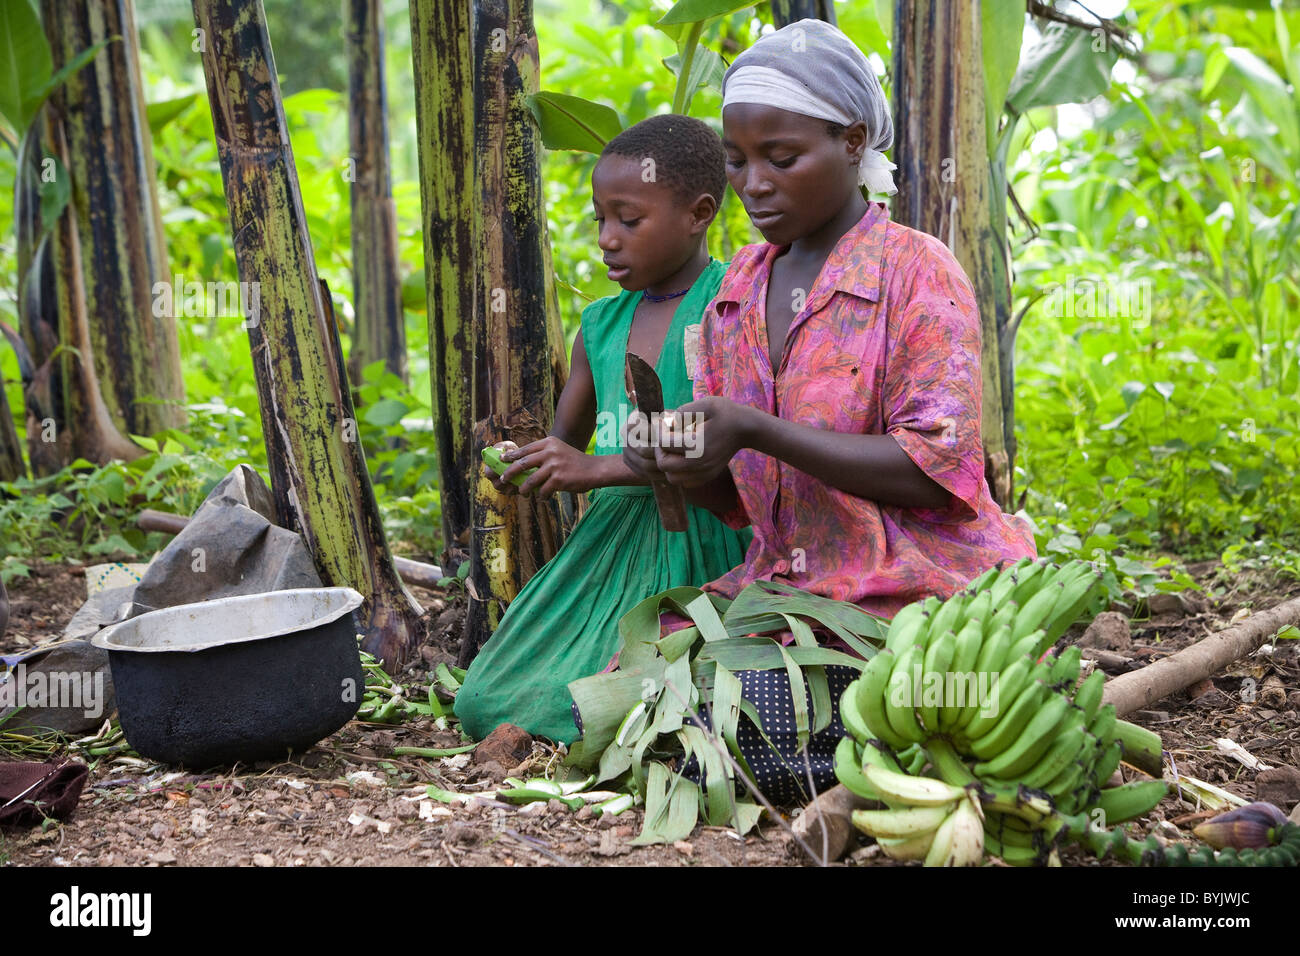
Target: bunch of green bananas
[[968, 681]]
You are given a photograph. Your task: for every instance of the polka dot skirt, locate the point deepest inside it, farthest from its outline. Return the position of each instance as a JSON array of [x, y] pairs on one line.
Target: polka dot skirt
[[783, 776]]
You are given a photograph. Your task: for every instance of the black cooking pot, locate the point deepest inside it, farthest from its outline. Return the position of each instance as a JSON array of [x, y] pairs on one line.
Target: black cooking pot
[[241, 678]]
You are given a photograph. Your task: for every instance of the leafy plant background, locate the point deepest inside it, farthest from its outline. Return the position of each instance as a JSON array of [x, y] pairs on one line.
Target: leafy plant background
[[1146, 439]]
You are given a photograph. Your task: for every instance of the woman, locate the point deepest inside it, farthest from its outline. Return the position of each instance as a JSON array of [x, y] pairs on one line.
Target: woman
[[839, 379]]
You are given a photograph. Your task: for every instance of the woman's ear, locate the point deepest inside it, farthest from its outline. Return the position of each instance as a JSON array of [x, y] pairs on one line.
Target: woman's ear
[[855, 141]]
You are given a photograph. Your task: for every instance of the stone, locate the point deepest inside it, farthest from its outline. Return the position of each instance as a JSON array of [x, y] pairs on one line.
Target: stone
[[508, 745], [1279, 786], [1109, 631], [66, 686]]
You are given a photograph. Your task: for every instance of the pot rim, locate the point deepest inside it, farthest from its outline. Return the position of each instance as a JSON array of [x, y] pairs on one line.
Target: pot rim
[[105, 638]]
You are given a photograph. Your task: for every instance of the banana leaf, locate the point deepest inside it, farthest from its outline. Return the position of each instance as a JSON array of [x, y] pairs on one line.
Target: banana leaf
[[636, 718], [765, 606]]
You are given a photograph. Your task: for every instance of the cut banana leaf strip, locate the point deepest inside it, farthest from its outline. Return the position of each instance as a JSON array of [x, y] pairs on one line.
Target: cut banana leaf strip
[[798, 697], [726, 711], [764, 654], [817, 683], [603, 701], [705, 616], [671, 807], [447, 678], [639, 627], [760, 607], [678, 642], [718, 795]]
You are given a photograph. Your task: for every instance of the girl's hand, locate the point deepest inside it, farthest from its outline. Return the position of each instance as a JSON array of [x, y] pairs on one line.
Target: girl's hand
[[560, 467], [699, 439], [502, 484]]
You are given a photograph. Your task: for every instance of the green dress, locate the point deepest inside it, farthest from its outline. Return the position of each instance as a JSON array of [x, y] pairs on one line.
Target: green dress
[[564, 623]]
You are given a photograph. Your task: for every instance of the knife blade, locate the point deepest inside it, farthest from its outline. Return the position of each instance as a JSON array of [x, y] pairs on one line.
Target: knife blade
[[648, 393]]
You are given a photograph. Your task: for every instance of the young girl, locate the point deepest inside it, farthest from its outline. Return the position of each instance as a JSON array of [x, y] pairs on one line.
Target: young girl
[[839, 377], [655, 189]]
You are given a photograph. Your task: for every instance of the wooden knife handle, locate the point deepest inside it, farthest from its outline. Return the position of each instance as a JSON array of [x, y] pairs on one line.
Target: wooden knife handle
[[671, 502]]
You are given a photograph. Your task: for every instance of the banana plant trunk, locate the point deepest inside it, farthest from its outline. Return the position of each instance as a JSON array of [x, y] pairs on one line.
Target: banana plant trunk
[[451, 222], [945, 186], [84, 427], [318, 470], [785, 12], [379, 331], [516, 379], [12, 466], [38, 314], [114, 197]]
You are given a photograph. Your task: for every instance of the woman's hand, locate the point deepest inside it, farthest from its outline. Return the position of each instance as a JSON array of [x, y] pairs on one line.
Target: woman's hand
[[699, 439], [560, 467], [638, 450]]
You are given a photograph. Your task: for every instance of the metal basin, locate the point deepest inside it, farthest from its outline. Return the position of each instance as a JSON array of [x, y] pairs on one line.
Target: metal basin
[[240, 678]]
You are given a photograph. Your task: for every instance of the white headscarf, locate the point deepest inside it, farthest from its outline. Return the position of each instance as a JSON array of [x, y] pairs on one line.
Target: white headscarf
[[811, 67]]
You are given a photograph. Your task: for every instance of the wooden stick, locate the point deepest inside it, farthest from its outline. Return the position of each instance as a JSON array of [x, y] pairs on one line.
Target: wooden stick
[[1140, 688], [412, 572]]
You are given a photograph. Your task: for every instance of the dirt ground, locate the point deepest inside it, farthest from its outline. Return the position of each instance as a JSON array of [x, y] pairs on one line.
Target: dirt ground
[[349, 802]]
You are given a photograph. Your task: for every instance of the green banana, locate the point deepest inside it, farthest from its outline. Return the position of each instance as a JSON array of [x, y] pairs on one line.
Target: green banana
[[943, 850], [907, 848], [912, 791], [1107, 762], [966, 650], [1005, 689], [1087, 696], [1072, 789], [1031, 743], [938, 659], [1004, 617], [984, 581], [948, 616], [1067, 748], [1130, 800], [848, 769], [1029, 644], [1142, 747], [1103, 723], [1065, 672], [906, 822], [1013, 723], [872, 685], [906, 626], [1033, 612], [1071, 603], [1029, 580], [1012, 855], [911, 759], [980, 608], [851, 717], [1004, 587], [900, 702], [876, 753]]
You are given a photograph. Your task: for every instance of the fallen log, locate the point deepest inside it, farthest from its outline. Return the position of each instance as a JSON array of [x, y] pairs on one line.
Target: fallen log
[[412, 572], [1140, 688]]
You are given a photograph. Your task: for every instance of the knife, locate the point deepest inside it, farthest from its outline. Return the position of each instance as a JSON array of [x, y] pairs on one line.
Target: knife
[[648, 394]]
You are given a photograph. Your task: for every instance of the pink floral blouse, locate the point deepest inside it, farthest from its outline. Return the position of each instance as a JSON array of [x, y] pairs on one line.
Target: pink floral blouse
[[888, 343]]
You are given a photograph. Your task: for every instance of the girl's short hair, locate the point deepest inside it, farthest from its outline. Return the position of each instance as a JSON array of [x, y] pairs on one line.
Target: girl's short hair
[[687, 154]]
